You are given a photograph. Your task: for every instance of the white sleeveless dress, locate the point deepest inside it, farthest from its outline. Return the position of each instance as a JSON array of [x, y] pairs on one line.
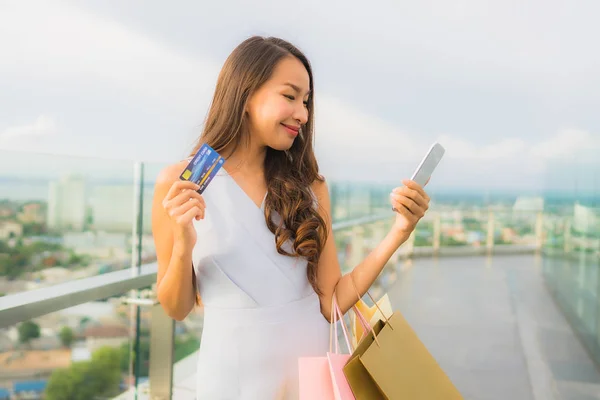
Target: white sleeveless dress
[[260, 312]]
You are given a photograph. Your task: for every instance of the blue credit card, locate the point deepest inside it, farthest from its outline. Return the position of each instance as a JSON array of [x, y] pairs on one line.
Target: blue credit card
[[203, 167]]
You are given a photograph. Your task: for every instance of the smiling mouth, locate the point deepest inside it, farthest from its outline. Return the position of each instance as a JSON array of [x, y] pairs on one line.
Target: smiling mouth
[[292, 129]]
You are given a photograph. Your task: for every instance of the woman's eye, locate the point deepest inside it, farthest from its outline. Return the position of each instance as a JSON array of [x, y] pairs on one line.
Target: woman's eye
[[306, 104], [289, 97]]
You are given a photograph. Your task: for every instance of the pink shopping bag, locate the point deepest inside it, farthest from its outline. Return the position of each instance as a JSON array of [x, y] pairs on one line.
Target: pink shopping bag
[[315, 379], [337, 361], [323, 377]]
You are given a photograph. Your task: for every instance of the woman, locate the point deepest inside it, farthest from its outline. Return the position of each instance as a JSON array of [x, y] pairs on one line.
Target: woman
[[257, 246]]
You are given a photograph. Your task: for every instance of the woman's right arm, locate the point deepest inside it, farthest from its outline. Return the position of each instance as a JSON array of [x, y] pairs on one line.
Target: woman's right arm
[[174, 207]]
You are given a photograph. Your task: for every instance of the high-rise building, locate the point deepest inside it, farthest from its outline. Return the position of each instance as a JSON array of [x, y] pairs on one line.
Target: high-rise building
[[113, 207], [67, 204]]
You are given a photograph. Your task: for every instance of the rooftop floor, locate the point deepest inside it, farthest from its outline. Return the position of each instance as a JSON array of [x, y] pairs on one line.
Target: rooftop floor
[[494, 328], [490, 322]]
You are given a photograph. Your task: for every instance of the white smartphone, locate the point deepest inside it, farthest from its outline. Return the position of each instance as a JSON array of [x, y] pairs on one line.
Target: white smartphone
[[428, 164]]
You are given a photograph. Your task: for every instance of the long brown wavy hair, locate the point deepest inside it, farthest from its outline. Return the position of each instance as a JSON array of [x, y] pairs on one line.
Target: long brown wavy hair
[[289, 174]]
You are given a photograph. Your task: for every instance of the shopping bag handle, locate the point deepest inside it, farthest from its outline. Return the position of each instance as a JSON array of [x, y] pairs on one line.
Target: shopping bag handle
[[365, 324], [387, 321], [344, 329], [336, 314]]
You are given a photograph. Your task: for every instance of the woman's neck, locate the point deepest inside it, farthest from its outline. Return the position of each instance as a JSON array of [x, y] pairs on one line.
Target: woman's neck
[[249, 158]]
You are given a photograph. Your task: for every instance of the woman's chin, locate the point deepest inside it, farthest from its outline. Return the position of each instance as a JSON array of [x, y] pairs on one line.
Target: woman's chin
[[282, 145]]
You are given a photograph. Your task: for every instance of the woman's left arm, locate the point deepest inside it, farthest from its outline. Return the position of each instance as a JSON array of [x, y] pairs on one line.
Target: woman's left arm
[[410, 202]]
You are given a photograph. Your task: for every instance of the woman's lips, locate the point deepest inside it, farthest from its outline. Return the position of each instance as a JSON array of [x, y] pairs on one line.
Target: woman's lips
[[292, 130]]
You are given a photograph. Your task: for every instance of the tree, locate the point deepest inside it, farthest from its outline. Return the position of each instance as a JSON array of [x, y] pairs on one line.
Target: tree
[[84, 321], [127, 356], [28, 330], [67, 383], [97, 378], [66, 336]]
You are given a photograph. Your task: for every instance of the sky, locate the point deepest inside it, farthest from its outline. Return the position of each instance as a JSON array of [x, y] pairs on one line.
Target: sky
[[510, 88]]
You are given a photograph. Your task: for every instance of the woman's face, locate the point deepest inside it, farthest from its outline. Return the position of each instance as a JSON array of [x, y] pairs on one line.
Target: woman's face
[[278, 109]]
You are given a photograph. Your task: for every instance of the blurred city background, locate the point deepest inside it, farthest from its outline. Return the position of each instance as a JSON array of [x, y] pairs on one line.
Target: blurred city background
[[500, 279]]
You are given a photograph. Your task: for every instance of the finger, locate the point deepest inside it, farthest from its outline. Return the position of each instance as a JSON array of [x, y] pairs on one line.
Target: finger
[[401, 209], [186, 195], [413, 195], [409, 204], [415, 186], [185, 207], [189, 215], [178, 186]]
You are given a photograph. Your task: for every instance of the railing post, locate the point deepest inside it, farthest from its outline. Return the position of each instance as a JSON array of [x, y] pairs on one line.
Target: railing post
[[437, 233], [136, 258], [162, 343], [567, 244], [379, 230], [357, 245], [490, 232], [539, 231]]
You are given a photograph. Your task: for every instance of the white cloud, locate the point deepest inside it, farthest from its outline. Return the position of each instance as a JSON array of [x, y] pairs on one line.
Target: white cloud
[[353, 145], [62, 44], [565, 144], [346, 132], [462, 149], [568, 143], [44, 125], [470, 40]]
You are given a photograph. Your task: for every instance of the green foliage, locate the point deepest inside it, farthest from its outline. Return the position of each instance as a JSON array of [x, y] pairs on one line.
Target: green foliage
[[185, 346], [97, 378], [28, 330], [18, 260], [66, 336], [450, 241]]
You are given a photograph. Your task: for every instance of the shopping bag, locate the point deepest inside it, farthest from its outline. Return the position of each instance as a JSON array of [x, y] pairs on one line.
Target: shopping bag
[[337, 361], [314, 378], [390, 362], [371, 314], [323, 377]]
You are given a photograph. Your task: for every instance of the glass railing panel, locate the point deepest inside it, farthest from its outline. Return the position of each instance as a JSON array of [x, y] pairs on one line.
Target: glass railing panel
[[571, 267], [87, 350], [62, 218]]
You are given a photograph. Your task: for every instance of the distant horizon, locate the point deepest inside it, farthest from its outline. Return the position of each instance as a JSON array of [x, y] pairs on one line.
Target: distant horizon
[[437, 189]]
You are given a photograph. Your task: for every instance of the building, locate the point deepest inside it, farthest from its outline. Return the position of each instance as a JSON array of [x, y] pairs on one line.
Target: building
[[528, 204], [32, 213], [10, 229], [30, 389], [67, 204], [586, 220], [113, 207], [24, 365], [105, 335], [99, 245]]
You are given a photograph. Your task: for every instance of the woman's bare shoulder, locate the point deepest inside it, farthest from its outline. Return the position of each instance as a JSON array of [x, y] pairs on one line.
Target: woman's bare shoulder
[[319, 187]]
